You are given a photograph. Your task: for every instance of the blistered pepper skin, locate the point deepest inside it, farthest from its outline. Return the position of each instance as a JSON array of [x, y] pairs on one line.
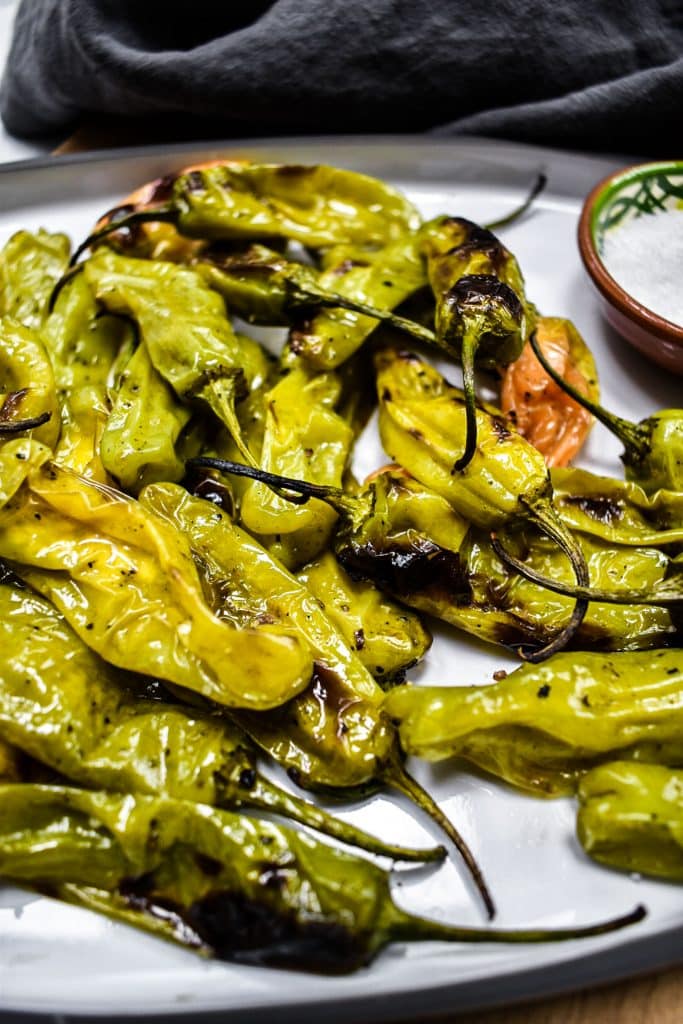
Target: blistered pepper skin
[[542, 727], [631, 818], [315, 205], [126, 583], [387, 637]]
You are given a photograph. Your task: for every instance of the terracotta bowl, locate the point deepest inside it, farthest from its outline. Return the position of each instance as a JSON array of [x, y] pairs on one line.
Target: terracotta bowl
[[634, 192]]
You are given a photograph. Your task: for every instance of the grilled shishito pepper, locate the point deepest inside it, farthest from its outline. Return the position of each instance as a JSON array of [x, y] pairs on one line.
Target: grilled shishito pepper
[[423, 420], [412, 544], [333, 735], [184, 328], [98, 727], [316, 205], [222, 884], [388, 638], [303, 435], [617, 512], [653, 456], [27, 384], [543, 726], [138, 444], [631, 817], [481, 315], [125, 581], [540, 410], [83, 347], [30, 266]]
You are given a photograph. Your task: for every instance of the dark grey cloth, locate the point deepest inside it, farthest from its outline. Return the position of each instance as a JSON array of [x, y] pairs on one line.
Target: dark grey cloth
[[599, 75]]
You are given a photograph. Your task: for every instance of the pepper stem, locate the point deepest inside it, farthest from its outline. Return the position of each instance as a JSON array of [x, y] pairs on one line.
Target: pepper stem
[[400, 323], [160, 213], [19, 426], [633, 436], [536, 189], [344, 504], [268, 797], [470, 344], [395, 775], [221, 395], [546, 518], [660, 598], [406, 927]]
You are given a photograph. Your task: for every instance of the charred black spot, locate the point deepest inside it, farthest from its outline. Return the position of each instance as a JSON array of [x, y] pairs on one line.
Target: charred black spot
[[603, 510], [543, 691], [208, 865], [359, 639], [194, 181], [386, 395], [211, 489], [294, 171], [251, 932], [330, 689], [9, 578], [273, 876], [247, 778], [163, 188], [408, 568], [482, 291], [500, 428]]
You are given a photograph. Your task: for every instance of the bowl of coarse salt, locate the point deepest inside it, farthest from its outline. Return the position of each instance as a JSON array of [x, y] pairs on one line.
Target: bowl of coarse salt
[[631, 243]]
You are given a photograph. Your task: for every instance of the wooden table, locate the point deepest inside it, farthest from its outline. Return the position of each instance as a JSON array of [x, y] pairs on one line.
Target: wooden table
[[654, 999]]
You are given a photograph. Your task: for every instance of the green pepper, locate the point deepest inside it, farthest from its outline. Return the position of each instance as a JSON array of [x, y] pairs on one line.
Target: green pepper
[[30, 266], [303, 435], [617, 512], [184, 328], [317, 206], [412, 544], [221, 884], [481, 314], [125, 581], [83, 347], [98, 727], [138, 445], [388, 638], [28, 397], [423, 420], [631, 818], [653, 455], [333, 736], [543, 726]]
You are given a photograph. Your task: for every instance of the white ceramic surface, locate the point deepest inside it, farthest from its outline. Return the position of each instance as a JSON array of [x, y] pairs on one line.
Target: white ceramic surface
[[55, 958]]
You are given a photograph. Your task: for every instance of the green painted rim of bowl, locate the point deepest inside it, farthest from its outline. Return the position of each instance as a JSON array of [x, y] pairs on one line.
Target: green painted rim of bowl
[[644, 201]]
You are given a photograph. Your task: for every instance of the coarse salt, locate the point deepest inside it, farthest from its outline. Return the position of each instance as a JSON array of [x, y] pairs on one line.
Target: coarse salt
[[645, 257]]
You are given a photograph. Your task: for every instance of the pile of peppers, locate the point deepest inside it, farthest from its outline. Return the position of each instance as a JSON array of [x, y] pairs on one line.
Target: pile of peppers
[[191, 579]]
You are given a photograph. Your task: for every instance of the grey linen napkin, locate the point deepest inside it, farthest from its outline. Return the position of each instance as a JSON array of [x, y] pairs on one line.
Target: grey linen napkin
[[602, 75]]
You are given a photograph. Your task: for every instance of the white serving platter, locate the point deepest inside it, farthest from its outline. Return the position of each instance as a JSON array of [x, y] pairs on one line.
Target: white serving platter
[[59, 960]]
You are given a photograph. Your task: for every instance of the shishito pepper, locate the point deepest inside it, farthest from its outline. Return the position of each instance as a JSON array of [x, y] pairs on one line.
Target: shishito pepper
[[125, 581], [185, 330], [315, 205], [30, 266], [536, 406], [481, 314], [653, 455], [138, 444], [222, 884], [423, 422], [618, 512], [411, 543], [83, 347], [334, 734], [303, 435], [28, 397], [100, 728], [631, 817], [387, 637], [543, 726]]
